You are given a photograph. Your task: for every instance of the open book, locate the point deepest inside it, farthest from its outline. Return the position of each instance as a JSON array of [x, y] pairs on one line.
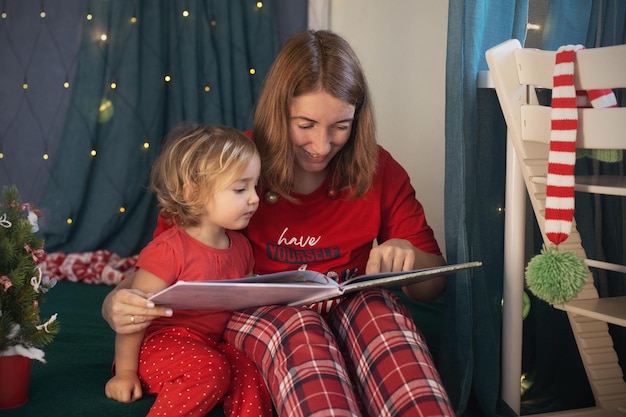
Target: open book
[[299, 287]]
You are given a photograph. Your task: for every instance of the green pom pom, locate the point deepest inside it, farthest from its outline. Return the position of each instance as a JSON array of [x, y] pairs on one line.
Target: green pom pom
[[556, 277]]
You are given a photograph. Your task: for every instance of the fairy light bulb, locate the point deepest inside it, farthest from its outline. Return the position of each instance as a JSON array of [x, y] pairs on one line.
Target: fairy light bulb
[[105, 111], [113, 85]]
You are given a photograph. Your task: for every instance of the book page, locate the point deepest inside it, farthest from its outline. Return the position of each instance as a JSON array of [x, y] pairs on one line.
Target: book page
[[295, 276], [400, 279], [298, 287], [284, 288]]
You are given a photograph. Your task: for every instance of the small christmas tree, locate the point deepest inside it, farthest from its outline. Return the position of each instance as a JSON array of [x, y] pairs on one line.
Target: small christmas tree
[[22, 288]]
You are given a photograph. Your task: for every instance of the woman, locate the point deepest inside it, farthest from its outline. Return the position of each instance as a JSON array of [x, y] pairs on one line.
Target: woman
[[328, 192]]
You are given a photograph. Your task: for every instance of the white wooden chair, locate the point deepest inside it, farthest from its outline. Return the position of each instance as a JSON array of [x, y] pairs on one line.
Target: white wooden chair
[[515, 72]]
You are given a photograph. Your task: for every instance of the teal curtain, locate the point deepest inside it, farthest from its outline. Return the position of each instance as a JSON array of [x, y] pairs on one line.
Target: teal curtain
[[474, 197], [143, 67], [474, 215]]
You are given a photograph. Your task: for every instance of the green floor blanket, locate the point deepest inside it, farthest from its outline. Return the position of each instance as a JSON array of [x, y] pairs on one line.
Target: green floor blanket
[[71, 383]]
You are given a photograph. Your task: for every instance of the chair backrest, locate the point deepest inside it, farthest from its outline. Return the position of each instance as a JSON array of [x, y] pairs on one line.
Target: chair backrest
[[517, 71]]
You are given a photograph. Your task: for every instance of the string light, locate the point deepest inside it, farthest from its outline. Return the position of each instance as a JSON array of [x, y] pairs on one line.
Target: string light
[[106, 104], [105, 111], [533, 26]]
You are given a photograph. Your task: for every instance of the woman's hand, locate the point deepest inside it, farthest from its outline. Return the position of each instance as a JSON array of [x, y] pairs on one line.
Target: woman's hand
[[400, 255], [391, 256], [128, 311]]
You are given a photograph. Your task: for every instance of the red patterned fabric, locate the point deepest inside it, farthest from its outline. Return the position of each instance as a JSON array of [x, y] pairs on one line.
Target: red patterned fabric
[[99, 267], [190, 374], [370, 334]]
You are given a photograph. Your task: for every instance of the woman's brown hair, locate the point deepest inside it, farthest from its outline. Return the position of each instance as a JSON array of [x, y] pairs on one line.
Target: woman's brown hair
[[309, 62]]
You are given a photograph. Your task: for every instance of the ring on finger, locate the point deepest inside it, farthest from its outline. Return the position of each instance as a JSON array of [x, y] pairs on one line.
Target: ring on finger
[[132, 319]]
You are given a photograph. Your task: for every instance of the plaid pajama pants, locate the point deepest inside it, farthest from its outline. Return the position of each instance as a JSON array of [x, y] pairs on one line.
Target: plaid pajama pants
[[365, 357]]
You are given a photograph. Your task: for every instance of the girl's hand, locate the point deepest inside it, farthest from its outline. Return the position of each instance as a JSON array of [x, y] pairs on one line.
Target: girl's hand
[[124, 387]]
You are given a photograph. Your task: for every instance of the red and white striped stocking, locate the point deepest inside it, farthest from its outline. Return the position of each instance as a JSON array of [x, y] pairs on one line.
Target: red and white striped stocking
[[562, 157]]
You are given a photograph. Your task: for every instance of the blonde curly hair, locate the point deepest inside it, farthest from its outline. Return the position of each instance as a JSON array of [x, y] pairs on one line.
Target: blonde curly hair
[[194, 163]]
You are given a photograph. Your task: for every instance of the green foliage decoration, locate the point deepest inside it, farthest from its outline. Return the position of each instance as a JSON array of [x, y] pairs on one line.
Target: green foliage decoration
[[22, 287]]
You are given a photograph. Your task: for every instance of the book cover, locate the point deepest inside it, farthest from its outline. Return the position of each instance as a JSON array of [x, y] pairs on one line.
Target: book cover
[[298, 287]]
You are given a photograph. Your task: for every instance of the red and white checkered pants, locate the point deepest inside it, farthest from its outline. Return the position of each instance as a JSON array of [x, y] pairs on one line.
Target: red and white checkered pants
[[365, 357], [190, 373]]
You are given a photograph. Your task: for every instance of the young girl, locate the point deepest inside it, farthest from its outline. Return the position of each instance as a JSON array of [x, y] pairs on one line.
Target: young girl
[[205, 183]]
